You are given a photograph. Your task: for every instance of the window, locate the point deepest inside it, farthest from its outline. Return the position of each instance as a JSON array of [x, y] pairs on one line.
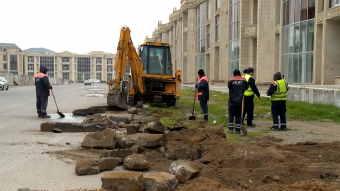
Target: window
[[217, 2], [31, 67], [201, 27], [98, 76], [217, 28], [334, 3], [208, 10], [98, 61], [30, 74], [4, 58], [109, 61], [109, 68], [65, 67], [170, 36], [48, 62], [83, 68], [66, 76], [5, 66], [98, 68], [65, 59], [109, 76], [31, 59], [13, 62], [208, 36], [234, 36]]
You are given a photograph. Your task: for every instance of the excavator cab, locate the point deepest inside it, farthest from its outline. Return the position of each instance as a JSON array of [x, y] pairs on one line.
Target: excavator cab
[[156, 59]]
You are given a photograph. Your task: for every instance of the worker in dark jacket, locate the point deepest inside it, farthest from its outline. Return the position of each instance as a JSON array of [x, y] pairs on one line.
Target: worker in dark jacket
[[249, 97], [237, 86], [42, 87], [278, 92], [203, 92]]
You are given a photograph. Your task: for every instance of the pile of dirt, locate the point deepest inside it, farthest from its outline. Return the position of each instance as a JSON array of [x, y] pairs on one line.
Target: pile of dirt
[[256, 164]]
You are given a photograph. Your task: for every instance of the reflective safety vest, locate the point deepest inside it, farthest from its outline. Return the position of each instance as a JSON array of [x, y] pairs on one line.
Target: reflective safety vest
[[249, 91], [281, 90]]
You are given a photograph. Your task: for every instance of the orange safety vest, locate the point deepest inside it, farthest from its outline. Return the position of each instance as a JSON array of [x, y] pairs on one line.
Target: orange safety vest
[[199, 81]]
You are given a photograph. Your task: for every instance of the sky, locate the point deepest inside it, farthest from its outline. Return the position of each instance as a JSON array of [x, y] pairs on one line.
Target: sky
[[80, 26]]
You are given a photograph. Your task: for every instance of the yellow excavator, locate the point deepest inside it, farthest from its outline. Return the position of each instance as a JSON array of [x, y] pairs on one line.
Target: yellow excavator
[[151, 76]]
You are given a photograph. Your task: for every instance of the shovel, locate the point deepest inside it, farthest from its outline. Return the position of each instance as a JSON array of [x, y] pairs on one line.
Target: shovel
[[59, 113], [193, 117], [243, 129]]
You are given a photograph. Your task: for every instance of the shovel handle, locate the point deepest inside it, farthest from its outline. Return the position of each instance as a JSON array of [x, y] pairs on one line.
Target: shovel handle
[[54, 100]]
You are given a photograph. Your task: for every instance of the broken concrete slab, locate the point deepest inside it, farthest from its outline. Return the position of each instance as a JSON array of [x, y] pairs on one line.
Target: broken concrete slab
[[183, 170], [151, 140], [108, 163], [119, 153], [87, 167], [100, 140], [159, 181], [136, 162], [94, 119], [176, 153], [125, 142], [132, 128], [122, 181], [155, 127], [90, 110], [137, 149], [132, 110], [71, 127]]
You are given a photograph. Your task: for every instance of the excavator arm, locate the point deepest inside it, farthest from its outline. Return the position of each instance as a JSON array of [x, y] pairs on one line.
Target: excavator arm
[[125, 52]]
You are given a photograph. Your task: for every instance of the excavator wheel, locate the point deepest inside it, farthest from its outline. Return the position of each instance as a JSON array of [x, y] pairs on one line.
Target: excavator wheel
[[117, 100]]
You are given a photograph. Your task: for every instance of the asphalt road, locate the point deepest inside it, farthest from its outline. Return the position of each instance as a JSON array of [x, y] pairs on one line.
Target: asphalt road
[[23, 159]]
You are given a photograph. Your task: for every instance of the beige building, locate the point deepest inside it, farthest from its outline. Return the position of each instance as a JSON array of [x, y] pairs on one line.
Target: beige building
[[65, 65], [300, 38]]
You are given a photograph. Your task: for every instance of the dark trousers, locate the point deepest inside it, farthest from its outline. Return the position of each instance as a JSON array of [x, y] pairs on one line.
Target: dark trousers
[[234, 114], [42, 105], [204, 107], [248, 109], [279, 109]]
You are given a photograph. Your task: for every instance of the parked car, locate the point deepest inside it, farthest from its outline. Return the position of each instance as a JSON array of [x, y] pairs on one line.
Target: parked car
[[87, 82], [3, 83]]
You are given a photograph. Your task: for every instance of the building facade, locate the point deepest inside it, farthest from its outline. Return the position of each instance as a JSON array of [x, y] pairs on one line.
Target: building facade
[[297, 37], [65, 65]]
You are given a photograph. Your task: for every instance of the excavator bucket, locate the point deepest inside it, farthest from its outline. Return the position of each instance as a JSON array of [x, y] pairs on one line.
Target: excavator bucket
[[117, 99]]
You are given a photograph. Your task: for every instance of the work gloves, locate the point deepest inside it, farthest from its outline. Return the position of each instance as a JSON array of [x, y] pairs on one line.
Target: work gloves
[[50, 87], [197, 85]]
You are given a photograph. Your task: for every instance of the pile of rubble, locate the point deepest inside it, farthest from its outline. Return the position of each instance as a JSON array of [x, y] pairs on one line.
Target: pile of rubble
[[130, 145]]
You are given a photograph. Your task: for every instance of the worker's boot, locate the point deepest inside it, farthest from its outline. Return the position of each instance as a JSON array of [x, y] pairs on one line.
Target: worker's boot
[[39, 114], [283, 128], [237, 131], [275, 127], [45, 116]]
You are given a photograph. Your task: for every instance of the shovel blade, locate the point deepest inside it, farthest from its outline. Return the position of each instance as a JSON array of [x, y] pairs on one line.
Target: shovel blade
[[244, 130], [192, 117], [61, 114]]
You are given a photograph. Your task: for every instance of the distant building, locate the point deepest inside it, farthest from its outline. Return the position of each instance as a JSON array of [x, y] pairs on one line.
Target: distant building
[[65, 65], [300, 38]]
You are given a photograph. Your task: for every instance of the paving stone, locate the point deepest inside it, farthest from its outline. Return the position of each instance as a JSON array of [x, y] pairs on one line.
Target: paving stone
[[136, 162], [87, 167], [100, 140], [122, 181], [108, 163], [151, 140], [183, 171], [159, 181]]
